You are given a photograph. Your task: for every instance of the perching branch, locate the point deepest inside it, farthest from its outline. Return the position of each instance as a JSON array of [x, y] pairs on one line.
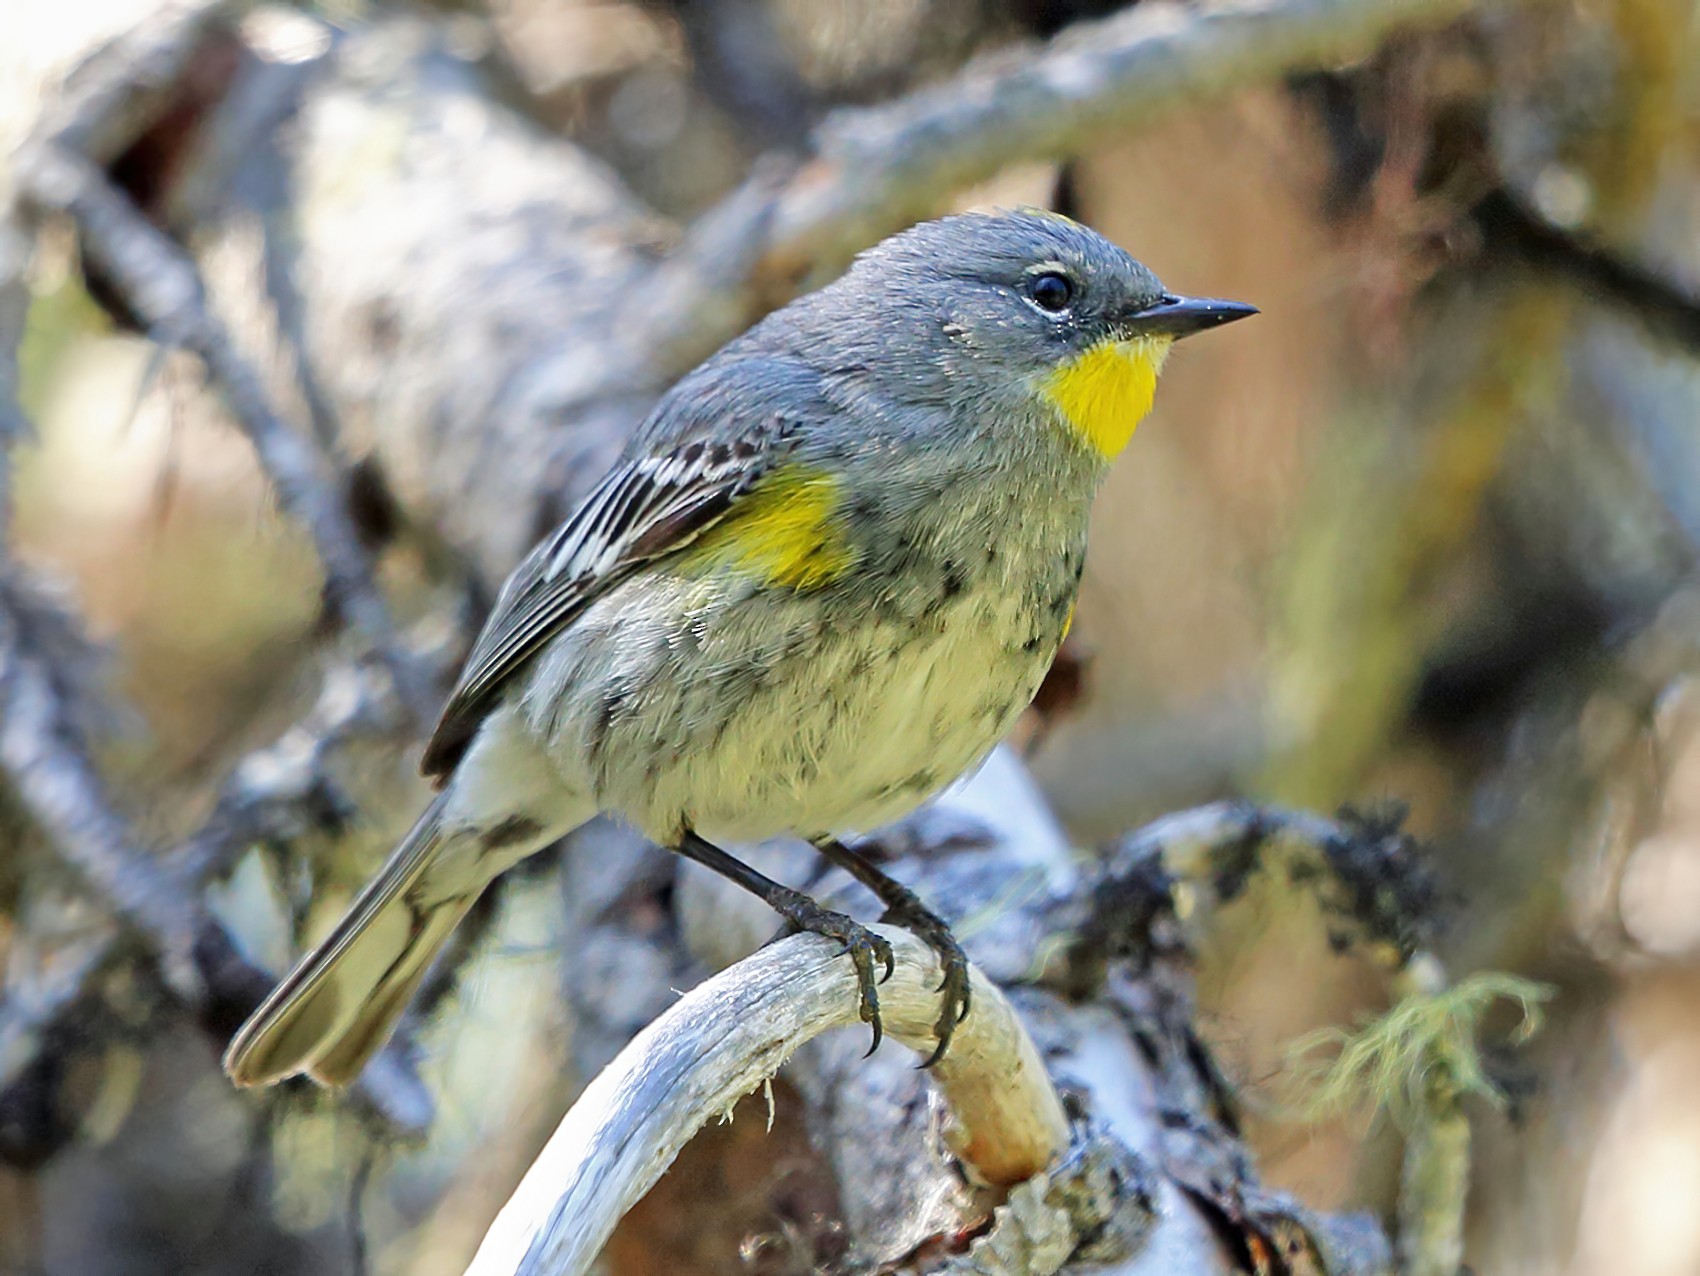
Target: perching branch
[[723, 1040]]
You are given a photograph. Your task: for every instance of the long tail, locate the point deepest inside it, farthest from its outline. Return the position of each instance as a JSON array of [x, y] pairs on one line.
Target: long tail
[[339, 1005]]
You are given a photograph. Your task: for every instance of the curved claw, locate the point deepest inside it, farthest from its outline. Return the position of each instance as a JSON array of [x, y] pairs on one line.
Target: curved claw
[[879, 1036], [936, 1055], [954, 985], [863, 959], [802, 914], [955, 1009]]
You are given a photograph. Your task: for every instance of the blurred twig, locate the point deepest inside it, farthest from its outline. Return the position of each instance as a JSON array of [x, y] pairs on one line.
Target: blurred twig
[[42, 752], [272, 795], [109, 100], [1510, 225], [46, 763], [59, 171], [162, 287], [873, 170], [43, 755], [742, 62], [14, 305]]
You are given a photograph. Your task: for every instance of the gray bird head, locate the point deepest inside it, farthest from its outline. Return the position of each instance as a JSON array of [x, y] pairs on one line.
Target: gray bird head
[[1008, 306]]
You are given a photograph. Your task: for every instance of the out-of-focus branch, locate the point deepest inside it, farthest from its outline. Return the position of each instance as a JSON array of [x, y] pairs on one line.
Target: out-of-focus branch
[[124, 85], [1373, 882], [743, 62], [47, 765], [1511, 225], [162, 287], [42, 753], [1377, 892], [278, 792], [113, 99], [876, 169], [725, 1039], [59, 171], [275, 794], [14, 304]]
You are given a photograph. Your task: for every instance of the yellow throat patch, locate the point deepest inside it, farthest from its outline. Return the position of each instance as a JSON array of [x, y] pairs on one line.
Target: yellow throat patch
[[1105, 393], [786, 533]]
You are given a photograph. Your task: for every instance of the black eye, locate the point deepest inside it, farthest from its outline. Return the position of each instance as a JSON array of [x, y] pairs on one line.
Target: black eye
[[1051, 291]]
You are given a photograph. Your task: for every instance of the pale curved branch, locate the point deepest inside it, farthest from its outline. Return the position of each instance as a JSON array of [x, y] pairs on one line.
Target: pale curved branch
[[722, 1041]]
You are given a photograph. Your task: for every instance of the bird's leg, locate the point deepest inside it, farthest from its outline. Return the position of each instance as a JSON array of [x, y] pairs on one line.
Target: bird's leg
[[802, 914], [902, 908]]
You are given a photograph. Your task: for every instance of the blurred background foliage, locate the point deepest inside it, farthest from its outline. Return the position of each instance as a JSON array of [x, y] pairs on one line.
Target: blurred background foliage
[[1424, 534]]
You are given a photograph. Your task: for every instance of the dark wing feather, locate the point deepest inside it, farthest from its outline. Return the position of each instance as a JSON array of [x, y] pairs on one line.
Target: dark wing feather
[[646, 507]]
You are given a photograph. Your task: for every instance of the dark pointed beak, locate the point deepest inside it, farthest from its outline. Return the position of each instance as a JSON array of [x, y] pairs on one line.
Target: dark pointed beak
[[1183, 316]]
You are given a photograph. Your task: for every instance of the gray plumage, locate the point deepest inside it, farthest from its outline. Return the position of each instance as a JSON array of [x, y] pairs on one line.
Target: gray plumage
[[621, 673]]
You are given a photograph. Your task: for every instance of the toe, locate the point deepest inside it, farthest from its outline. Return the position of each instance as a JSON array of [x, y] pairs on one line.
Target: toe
[[871, 1012], [879, 1036], [887, 958], [938, 1050], [864, 953]]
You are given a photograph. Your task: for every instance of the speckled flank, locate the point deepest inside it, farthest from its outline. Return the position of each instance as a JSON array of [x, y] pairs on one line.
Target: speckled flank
[[833, 708]]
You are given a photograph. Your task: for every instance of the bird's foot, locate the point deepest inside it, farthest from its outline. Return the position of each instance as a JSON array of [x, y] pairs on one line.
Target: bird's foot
[[907, 911], [803, 915]]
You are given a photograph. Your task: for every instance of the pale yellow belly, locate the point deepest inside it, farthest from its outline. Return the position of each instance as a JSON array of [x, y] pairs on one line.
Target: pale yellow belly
[[861, 738], [771, 717]]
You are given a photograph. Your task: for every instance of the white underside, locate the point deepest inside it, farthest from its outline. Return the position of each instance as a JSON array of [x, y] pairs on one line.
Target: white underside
[[752, 720]]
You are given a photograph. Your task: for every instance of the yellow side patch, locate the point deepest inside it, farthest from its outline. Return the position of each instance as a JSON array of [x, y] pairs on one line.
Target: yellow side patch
[[786, 532], [1105, 393]]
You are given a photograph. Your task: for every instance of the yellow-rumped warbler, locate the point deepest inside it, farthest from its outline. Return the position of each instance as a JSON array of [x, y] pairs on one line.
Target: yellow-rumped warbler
[[827, 574]]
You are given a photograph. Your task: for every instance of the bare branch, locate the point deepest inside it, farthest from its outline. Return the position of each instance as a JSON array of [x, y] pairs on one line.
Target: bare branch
[[162, 286], [272, 795], [47, 764], [875, 169], [1512, 225], [726, 1038], [105, 107], [276, 792], [107, 102], [1368, 875]]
